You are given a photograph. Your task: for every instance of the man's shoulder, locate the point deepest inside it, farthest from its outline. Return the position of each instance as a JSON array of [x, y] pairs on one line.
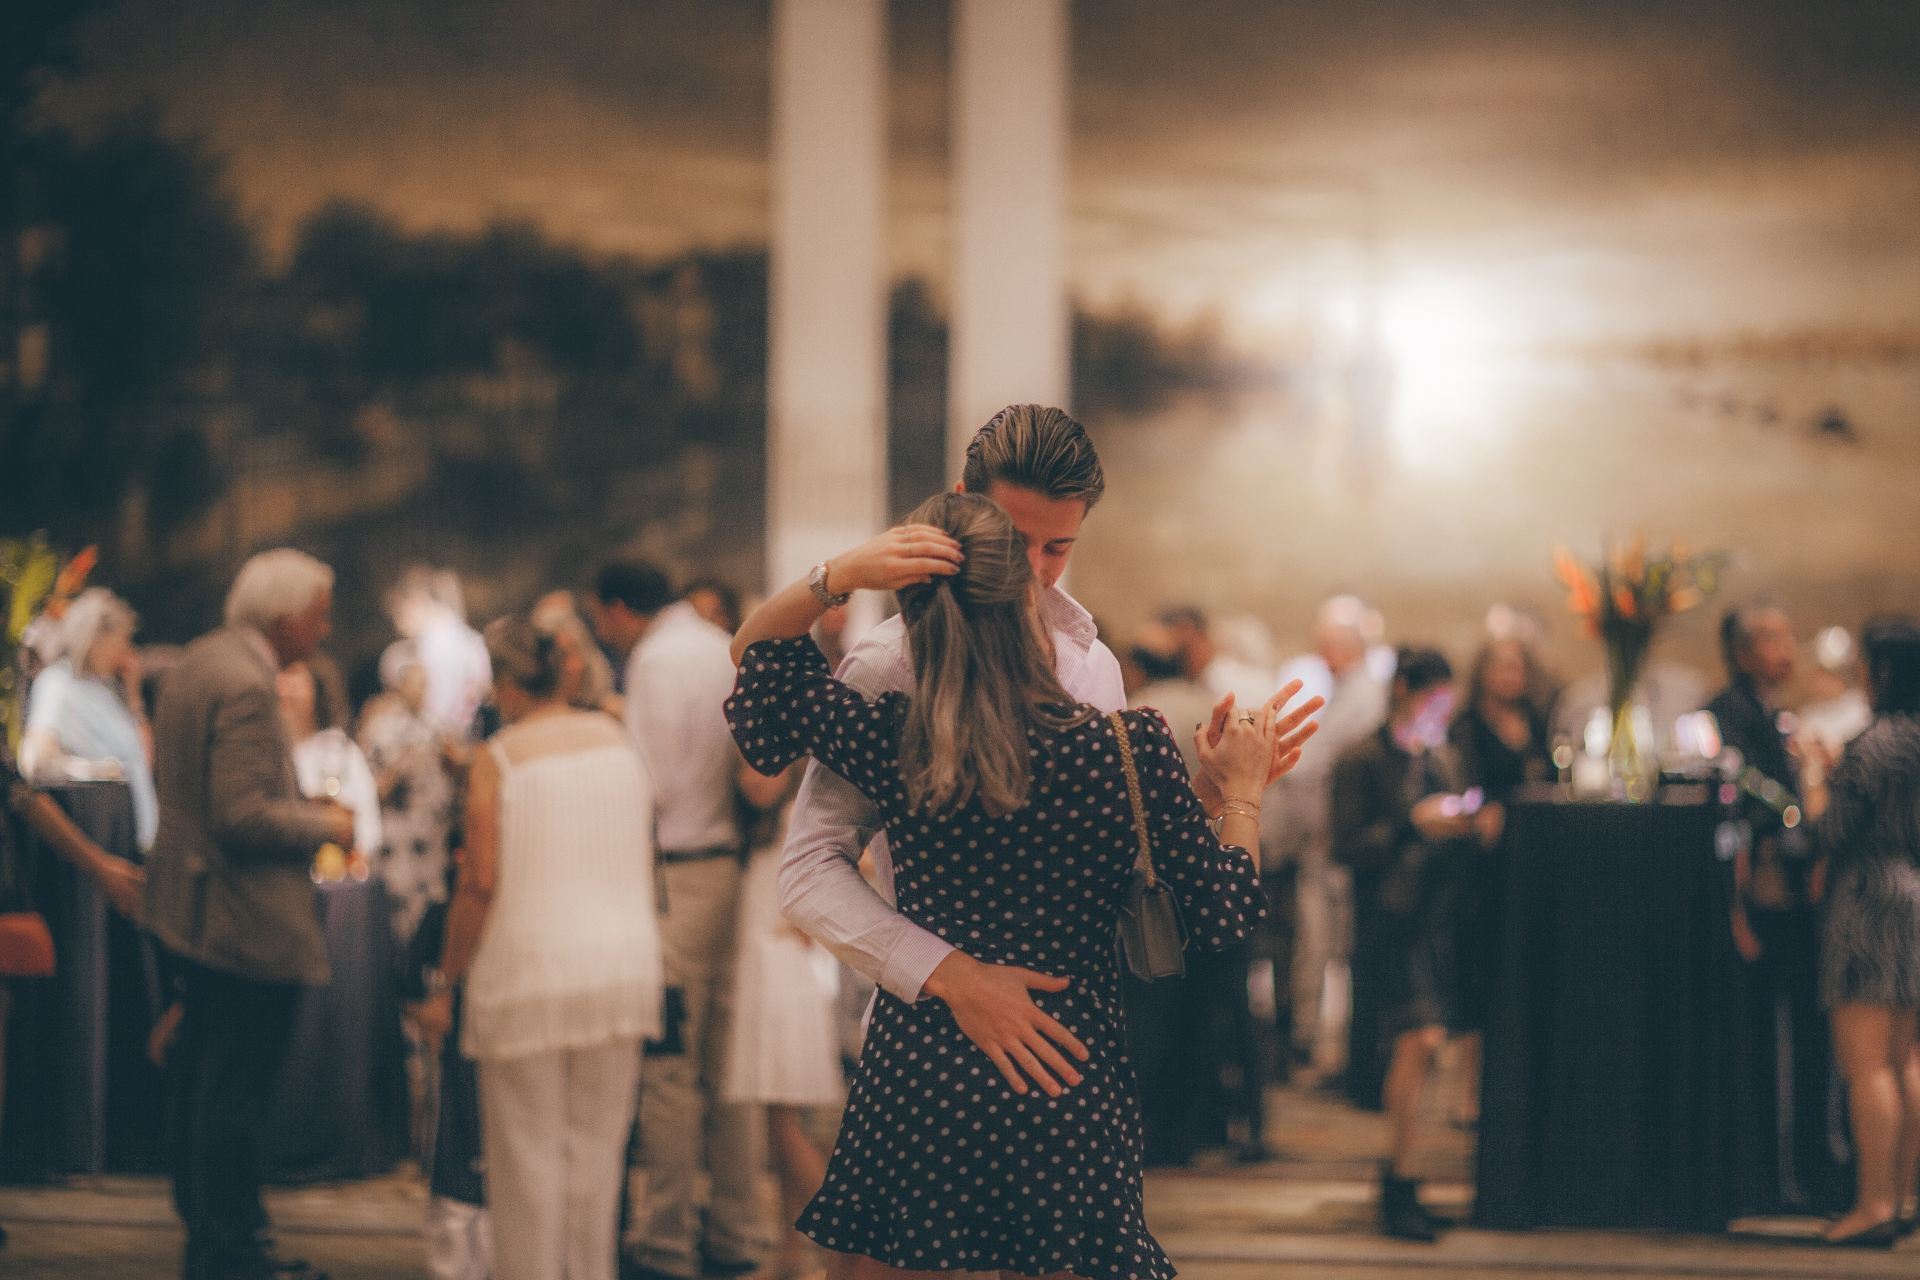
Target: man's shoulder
[[879, 662], [1097, 651], [679, 633], [681, 659], [219, 660]]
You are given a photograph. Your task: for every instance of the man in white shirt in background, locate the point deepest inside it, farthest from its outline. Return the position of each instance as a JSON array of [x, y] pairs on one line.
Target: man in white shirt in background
[[1296, 824], [1039, 465], [678, 677]]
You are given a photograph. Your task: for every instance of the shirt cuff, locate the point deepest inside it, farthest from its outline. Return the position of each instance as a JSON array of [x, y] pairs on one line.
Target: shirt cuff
[[912, 962]]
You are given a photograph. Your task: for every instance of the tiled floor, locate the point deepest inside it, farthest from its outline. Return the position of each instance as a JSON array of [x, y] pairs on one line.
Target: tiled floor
[[1308, 1215]]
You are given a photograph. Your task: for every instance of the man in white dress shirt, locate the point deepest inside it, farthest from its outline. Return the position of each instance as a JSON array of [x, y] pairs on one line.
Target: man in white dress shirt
[[1039, 465], [1297, 832], [678, 678]]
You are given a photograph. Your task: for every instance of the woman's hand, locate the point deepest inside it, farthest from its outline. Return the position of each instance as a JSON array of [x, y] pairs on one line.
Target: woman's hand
[[124, 884], [901, 557], [1290, 733], [1239, 759]]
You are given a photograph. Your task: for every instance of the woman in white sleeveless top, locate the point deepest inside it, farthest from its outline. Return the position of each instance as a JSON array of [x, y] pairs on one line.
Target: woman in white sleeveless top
[[554, 931]]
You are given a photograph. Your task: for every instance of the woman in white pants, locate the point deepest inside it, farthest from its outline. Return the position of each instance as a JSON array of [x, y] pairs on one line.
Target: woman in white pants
[[553, 928]]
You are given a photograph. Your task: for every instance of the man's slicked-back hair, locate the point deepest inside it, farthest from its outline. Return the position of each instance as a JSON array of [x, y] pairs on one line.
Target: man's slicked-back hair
[[1033, 446], [638, 585]]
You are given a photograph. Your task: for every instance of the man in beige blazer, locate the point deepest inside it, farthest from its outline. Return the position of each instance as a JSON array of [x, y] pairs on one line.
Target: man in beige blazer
[[229, 893]]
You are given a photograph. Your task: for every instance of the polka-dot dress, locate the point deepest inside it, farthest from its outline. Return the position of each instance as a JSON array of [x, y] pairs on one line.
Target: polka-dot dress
[[939, 1164]]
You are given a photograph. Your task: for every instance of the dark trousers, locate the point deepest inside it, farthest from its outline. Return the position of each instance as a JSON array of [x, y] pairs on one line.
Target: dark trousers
[[1236, 1058], [1196, 1058], [1275, 948], [1368, 1051], [221, 1075], [1791, 1022]]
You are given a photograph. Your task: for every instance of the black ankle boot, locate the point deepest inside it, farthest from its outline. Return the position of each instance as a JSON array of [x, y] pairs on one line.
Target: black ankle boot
[[1401, 1214]]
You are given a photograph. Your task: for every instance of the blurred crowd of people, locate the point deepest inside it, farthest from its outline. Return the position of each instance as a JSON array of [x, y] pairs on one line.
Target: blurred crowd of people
[[1380, 856], [565, 836], [539, 984]]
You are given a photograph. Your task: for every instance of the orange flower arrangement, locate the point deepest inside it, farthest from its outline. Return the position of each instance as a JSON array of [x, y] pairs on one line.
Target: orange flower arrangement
[[1623, 601], [1632, 588], [33, 583]]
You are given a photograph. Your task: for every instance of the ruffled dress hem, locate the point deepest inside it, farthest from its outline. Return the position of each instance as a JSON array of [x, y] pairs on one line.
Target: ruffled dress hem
[[1032, 1246]]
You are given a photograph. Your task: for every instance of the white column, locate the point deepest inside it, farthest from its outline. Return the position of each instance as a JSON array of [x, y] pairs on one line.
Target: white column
[[1011, 324], [826, 352]]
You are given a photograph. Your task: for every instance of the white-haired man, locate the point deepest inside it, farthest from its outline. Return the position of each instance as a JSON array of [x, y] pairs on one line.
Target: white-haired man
[[1296, 829], [228, 891]]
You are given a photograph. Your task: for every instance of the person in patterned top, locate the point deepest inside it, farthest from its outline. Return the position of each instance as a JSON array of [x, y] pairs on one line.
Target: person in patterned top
[[1007, 807], [1868, 835]]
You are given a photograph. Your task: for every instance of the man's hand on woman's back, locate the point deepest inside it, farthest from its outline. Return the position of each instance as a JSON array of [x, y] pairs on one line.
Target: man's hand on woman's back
[[991, 1005]]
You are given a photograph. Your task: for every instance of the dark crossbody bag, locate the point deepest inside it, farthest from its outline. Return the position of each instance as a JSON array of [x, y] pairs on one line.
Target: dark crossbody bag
[[1150, 934]]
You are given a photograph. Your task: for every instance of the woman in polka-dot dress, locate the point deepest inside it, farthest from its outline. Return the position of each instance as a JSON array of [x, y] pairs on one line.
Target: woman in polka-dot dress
[[1007, 809]]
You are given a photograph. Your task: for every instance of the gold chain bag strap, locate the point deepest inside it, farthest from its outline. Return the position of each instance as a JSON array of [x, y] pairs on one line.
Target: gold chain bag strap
[[1150, 934]]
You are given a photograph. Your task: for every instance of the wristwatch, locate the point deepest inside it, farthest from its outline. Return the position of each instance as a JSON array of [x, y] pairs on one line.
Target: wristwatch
[[817, 583]]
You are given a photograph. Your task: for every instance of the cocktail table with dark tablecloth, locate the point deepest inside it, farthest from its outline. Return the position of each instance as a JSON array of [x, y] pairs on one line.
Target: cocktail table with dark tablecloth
[[81, 1097], [1617, 1062], [342, 1105]]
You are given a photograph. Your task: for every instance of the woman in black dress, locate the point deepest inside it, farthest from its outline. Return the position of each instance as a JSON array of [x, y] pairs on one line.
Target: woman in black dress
[[1402, 825], [1012, 830], [1500, 739], [1869, 833], [1501, 734]]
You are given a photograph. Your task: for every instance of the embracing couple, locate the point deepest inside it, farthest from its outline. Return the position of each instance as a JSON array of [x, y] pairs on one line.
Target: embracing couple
[[993, 1124]]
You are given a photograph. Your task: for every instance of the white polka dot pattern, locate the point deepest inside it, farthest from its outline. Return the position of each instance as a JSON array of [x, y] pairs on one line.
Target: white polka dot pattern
[[939, 1164]]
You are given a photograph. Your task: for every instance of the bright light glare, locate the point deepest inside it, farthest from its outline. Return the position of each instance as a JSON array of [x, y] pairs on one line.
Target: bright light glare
[[1438, 341]]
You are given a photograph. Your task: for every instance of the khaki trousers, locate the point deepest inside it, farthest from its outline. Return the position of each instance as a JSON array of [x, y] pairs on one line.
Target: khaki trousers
[[685, 1127], [1324, 934], [556, 1127]]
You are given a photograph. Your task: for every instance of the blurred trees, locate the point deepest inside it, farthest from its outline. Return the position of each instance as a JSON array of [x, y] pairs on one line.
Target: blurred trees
[[120, 258], [494, 399], [133, 257], [150, 258]]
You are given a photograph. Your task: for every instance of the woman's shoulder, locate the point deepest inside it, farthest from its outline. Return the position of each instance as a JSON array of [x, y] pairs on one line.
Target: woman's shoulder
[[1144, 721], [54, 683], [1148, 733]]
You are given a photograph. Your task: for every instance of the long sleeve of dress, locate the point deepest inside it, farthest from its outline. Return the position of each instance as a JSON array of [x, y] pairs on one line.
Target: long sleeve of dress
[[821, 888], [786, 705], [1217, 885]]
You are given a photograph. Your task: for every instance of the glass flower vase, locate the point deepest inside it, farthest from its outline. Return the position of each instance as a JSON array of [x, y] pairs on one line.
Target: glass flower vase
[[1631, 759]]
